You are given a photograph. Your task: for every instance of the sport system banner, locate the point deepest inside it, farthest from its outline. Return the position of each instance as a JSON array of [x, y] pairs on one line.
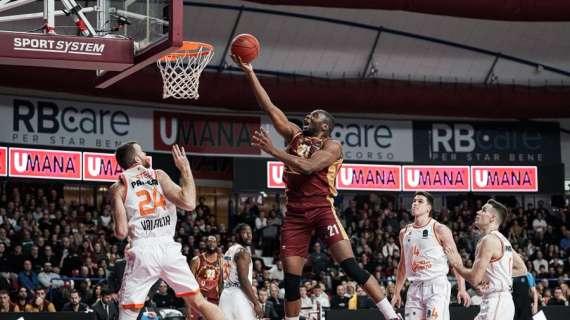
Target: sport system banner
[[426, 178]]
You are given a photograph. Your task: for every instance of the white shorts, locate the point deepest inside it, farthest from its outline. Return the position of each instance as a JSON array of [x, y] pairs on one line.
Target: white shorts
[[428, 300], [235, 305], [152, 259], [498, 305]]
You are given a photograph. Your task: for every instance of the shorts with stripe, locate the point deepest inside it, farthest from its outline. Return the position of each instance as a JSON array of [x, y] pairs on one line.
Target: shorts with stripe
[[497, 306], [300, 222], [428, 300], [149, 260]]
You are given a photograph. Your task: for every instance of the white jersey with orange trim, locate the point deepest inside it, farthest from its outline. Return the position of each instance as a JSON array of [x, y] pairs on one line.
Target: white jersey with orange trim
[[149, 213], [423, 253], [499, 274], [153, 254], [230, 272]]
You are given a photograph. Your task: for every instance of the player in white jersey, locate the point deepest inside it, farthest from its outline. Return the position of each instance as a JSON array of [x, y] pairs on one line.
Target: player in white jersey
[[424, 264], [238, 300], [493, 266], [144, 205]]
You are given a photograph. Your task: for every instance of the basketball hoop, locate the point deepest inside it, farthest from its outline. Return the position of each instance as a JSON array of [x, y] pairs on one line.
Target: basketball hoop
[[181, 69]]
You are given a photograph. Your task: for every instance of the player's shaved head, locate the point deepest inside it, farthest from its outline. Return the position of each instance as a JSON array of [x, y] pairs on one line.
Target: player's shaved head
[[328, 119], [125, 154]]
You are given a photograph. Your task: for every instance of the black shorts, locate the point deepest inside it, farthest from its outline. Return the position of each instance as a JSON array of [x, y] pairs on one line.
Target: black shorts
[[521, 298]]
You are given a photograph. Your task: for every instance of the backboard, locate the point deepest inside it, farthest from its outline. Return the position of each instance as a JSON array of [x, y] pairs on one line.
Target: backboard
[[114, 37]]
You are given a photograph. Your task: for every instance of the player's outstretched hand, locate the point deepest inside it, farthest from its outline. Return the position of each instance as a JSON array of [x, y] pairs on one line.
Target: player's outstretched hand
[[463, 297], [262, 140], [246, 67], [397, 300], [453, 256], [180, 159]]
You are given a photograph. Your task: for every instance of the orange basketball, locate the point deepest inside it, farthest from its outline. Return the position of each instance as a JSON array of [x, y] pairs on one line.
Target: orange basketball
[[246, 47]]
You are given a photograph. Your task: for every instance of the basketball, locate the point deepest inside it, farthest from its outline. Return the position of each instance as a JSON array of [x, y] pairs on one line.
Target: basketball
[[246, 47]]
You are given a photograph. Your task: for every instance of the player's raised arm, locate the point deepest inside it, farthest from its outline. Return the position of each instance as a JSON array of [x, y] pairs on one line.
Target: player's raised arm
[[183, 196], [283, 126], [117, 194]]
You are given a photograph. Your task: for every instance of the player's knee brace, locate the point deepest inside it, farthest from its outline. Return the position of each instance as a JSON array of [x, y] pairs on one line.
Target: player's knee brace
[[354, 271], [128, 314], [292, 284]]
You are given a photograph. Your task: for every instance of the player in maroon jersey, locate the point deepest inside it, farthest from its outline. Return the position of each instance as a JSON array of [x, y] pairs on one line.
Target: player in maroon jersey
[[312, 160], [207, 269]]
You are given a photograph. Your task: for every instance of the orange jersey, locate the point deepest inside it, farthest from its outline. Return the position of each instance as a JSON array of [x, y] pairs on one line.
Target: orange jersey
[[317, 184], [208, 276]]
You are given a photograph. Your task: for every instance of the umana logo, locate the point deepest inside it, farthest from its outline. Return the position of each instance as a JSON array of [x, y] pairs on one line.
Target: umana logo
[[102, 167]]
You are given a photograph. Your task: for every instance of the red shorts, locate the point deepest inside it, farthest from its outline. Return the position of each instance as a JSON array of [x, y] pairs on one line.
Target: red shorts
[[299, 224]]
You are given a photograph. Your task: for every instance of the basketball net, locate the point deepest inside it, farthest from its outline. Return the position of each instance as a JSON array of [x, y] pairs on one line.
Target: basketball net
[[181, 70]]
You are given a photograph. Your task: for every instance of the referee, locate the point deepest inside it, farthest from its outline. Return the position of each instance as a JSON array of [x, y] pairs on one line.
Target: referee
[[523, 284]]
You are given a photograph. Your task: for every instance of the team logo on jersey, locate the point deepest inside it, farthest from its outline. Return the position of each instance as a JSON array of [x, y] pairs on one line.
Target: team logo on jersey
[[425, 234]]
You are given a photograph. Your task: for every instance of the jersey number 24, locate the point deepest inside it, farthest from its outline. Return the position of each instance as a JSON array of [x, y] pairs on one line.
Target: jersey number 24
[[148, 203]]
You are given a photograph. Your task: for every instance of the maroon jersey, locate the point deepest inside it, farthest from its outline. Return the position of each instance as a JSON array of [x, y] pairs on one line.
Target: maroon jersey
[[316, 185], [208, 276]]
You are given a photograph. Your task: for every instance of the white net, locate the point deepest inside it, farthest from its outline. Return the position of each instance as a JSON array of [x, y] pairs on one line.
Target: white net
[[181, 72]]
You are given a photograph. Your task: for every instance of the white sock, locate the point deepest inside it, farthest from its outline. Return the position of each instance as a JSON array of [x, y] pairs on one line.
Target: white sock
[[386, 308], [292, 318]]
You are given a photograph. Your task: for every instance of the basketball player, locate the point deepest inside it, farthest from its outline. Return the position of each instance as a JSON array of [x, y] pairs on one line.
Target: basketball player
[[493, 266], [312, 160], [238, 300], [424, 264], [207, 269], [144, 205]]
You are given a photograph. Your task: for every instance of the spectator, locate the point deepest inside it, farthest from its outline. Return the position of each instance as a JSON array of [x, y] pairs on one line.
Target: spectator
[[28, 278], [164, 296], [276, 271], [559, 299], [390, 249], [565, 242], [539, 261], [318, 260], [39, 303], [6, 269], [75, 304], [269, 311], [22, 298], [339, 301], [539, 224], [320, 298], [50, 279], [5, 304], [278, 302], [106, 308], [306, 303]]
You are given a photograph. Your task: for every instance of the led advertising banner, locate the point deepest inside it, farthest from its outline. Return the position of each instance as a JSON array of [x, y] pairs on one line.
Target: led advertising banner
[[101, 167], [275, 174], [504, 178], [3, 161], [435, 178], [45, 164], [368, 177]]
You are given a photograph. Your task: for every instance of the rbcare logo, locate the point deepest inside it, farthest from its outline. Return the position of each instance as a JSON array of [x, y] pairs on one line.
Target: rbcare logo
[[59, 46]]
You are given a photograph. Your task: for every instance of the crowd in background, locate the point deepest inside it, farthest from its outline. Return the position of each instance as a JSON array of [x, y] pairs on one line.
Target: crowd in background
[[58, 255]]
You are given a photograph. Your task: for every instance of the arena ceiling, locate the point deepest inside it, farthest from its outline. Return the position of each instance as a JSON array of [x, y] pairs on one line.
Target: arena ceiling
[[362, 60]]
